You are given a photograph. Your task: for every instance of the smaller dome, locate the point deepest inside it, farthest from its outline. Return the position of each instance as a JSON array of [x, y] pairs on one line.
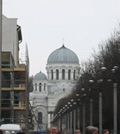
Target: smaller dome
[[40, 76]]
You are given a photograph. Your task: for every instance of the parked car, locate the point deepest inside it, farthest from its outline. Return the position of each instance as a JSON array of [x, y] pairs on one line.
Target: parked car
[[10, 128]]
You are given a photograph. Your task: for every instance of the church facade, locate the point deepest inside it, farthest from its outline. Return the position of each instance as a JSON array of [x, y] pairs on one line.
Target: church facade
[[62, 73]]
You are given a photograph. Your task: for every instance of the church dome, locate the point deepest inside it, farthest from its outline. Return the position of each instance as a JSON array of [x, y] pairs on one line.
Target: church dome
[[63, 55], [40, 76]]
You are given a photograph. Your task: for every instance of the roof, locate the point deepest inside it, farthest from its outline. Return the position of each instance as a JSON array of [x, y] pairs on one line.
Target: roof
[[63, 55], [40, 76]]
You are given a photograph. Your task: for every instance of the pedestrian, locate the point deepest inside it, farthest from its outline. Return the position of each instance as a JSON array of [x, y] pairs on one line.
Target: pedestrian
[[106, 131], [91, 130], [77, 131], [49, 131]]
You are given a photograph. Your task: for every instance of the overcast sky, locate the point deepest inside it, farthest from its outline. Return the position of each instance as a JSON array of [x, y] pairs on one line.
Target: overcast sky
[[83, 24]]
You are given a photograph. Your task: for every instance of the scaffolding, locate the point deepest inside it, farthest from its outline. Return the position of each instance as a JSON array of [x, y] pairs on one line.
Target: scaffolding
[[14, 91]]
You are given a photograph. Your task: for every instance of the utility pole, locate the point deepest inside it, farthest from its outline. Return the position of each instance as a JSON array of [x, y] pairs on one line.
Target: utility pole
[[0, 52]]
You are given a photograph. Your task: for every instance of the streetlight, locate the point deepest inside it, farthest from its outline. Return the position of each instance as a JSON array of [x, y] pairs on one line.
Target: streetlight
[[100, 81], [67, 115], [78, 111], [60, 119], [100, 107], [70, 116], [91, 102], [69, 121], [74, 116], [84, 95], [115, 68], [64, 122]]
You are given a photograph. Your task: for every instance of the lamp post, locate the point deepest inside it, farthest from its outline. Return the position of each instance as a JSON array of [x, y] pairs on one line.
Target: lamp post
[[64, 118], [67, 117], [84, 95], [91, 102], [78, 112], [72, 114], [60, 119], [100, 107], [115, 68], [100, 81]]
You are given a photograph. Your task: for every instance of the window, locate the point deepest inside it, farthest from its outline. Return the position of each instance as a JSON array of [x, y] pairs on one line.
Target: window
[[57, 74], [35, 86], [74, 75], [40, 117], [51, 74], [40, 87], [69, 74], [63, 74]]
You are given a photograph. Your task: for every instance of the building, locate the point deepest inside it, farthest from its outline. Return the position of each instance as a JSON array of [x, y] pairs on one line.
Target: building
[[62, 73], [14, 83], [11, 37]]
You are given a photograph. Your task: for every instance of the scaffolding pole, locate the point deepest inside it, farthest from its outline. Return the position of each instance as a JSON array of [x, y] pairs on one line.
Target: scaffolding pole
[[0, 52]]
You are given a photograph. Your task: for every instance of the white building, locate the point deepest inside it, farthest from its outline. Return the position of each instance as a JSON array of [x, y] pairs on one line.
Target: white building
[[11, 37], [62, 73]]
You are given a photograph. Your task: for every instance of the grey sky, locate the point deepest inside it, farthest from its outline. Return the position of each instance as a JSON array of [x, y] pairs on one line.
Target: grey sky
[[82, 23]]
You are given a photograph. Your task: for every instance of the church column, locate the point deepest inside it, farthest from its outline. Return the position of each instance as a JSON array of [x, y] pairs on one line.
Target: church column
[[49, 119], [48, 73], [42, 87], [51, 115], [60, 74], [66, 74], [54, 74], [46, 89], [37, 87], [72, 74]]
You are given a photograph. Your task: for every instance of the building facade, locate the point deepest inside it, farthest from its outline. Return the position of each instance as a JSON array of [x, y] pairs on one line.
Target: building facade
[[62, 73], [14, 89]]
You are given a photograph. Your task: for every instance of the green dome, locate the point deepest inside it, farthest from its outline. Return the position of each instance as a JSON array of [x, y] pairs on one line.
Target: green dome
[[40, 76], [63, 55]]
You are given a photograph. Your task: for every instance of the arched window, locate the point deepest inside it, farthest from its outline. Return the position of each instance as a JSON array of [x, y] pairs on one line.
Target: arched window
[[51, 74], [69, 74], [63, 74], [44, 86], [35, 86], [40, 117], [74, 75], [57, 74], [40, 87]]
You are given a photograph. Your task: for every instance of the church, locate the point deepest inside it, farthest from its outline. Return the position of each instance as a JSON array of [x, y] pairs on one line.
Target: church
[[63, 71]]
